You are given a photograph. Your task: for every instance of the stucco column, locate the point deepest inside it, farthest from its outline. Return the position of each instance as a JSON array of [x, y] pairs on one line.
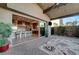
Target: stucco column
[[49, 30], [46, 28], [39, 29]]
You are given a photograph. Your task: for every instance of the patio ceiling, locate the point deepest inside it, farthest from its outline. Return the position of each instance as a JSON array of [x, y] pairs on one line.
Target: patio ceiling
[[48, 6], [59, 10], [45, 6], [53, 10]]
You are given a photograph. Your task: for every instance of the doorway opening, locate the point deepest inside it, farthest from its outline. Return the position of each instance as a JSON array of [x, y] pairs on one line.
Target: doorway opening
[[23, 23]]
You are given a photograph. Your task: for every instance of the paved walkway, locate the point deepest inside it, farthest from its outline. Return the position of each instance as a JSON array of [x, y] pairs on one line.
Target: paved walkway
[[31, 47]]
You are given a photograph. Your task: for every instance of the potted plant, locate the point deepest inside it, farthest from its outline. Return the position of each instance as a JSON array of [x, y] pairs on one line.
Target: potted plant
[[5, 31]]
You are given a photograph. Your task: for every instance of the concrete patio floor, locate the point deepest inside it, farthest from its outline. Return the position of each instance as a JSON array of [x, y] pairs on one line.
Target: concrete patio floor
[[31, 47], [62, 45]]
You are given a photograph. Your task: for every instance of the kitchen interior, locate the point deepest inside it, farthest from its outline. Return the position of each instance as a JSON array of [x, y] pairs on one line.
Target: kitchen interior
[[25, 24]]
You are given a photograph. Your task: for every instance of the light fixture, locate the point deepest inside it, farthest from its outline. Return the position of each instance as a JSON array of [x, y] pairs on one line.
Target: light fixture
[[14, 27], [49, 23]]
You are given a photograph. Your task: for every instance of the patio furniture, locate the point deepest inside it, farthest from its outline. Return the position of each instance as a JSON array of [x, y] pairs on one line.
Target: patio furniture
[[11, 38]]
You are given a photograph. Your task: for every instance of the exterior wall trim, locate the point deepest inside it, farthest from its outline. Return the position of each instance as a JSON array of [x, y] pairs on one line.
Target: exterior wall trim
[[4, 6]]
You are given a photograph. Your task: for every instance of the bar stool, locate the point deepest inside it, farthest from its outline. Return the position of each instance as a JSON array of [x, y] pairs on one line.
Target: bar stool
[[20, 34], [11, 38], [25, 34], [17, 33]]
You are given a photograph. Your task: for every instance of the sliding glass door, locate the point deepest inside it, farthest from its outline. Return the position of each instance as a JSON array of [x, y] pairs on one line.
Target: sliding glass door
[[42, 28]]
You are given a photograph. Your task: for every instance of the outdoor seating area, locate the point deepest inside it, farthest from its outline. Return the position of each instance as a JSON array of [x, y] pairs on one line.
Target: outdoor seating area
[[19, 36]]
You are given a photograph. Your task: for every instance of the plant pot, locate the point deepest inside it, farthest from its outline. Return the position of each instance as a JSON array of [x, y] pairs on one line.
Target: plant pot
[[4, 48]]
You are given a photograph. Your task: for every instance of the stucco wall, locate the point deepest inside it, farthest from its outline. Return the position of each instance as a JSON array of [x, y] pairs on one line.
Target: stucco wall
[[57, 21], [29, 8], [6, 16]]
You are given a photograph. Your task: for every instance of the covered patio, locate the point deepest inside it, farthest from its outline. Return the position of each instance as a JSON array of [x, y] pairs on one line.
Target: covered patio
[[32, 32]]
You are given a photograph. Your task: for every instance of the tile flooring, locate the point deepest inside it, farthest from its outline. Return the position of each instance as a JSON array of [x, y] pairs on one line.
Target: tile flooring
[[61, 46], [32, 46]]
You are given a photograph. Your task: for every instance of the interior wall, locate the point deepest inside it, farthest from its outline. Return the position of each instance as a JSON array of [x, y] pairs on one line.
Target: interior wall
[[29, 8], [70, 8]]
